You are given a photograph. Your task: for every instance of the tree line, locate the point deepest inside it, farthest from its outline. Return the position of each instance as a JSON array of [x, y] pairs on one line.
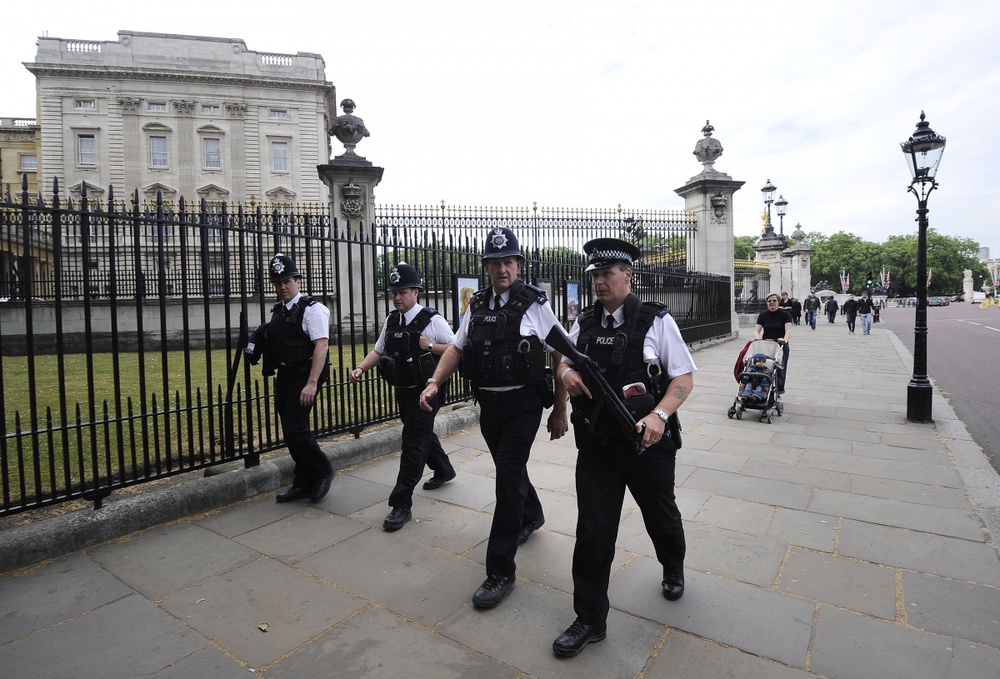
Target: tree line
[[947, 258]]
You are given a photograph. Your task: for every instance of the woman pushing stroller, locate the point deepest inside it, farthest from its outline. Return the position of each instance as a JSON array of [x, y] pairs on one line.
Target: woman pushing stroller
[[775, 324]]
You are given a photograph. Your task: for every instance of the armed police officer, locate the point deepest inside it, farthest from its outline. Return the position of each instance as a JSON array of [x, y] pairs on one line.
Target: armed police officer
[[640, 352], [499, 342], [406, 353], [298, 338]]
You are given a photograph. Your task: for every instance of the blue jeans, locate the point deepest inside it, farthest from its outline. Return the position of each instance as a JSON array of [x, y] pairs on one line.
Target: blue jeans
[[811, 318], [866, 323]]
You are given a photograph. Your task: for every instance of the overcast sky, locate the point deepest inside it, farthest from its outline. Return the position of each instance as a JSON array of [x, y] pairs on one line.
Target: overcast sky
[[573, 103]]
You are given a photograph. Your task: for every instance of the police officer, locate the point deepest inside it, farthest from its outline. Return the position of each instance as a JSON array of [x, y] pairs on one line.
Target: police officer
[[639, 346], [298, 337], [499, 340], [407, 351]]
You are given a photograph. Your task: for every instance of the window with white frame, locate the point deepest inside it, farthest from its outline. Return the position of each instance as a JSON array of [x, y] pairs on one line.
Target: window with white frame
[[279, 113], [86, 145], [158, 152], [157, 106], [212, 152], [86, 103], [209, 108], [29, 163], [279, 156]]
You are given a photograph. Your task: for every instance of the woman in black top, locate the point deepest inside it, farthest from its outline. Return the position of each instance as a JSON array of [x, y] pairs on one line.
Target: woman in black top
[[775, 324]]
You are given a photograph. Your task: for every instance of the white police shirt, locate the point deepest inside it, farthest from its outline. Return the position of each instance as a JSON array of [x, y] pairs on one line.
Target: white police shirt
[[438, 331]]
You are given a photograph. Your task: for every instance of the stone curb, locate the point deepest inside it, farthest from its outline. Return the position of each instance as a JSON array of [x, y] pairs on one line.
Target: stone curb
[[51, 538]]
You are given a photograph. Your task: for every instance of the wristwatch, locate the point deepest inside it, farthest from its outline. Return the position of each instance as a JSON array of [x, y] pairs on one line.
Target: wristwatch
[[660, 413]]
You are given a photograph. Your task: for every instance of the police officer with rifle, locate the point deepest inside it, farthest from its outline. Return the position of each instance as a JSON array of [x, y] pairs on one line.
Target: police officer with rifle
[[638, 349], [406, 353], [501, 344]]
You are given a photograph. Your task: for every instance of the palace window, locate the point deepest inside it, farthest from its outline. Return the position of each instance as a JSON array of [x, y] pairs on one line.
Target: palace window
[[212, 149], [157, 106], [279, 156], [86, 103], [279, 113], [86, 150], [158, 152], [29, 163], [209, 108]]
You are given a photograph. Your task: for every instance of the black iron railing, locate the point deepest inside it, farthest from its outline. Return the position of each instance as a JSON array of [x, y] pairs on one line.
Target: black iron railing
[[122, 323]]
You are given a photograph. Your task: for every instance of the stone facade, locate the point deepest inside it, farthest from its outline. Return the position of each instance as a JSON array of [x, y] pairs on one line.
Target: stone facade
[[187, 116], [18, 155]]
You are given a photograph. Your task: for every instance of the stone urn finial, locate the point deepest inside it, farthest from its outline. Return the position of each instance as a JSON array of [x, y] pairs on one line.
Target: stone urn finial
[[708, 150], [349, 128]]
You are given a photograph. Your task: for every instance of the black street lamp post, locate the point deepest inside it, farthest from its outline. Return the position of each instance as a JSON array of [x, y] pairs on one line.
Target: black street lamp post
[[923, 152]]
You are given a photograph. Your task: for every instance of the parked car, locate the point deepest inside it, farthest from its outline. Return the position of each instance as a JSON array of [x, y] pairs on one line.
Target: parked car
[[958, 298], [938, 301]]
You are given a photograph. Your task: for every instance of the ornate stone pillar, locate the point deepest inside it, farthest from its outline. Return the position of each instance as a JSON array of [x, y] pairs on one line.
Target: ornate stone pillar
[[351, 180], [796, 274], [709, 195]]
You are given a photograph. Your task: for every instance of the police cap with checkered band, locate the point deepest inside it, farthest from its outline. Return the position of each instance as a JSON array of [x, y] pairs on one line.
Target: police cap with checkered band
[[605, 252]]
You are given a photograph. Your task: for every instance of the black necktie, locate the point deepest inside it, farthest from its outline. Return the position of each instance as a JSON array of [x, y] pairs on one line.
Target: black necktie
[[498, 304], [609, 322]]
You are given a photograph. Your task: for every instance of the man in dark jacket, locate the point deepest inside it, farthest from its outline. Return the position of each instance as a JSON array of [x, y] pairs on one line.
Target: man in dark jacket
[[850, 311], [831, 309], [812, 309]]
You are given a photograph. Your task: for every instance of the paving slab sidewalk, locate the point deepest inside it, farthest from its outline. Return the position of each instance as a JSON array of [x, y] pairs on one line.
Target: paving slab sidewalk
[[838, 541]]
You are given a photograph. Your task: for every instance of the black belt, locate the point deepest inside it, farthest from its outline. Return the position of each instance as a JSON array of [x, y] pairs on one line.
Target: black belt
[[484, 396]]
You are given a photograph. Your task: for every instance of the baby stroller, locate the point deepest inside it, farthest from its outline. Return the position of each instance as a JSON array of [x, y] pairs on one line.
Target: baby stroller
[[769, 401]]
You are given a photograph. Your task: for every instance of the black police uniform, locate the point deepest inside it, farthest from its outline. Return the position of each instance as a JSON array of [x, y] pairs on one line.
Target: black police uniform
[[291, 350], [606, 458], [499, 356], [406, 366]]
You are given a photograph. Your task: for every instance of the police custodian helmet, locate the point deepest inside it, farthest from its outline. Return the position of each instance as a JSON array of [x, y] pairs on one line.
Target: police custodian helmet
[[282, 267], [404, 276], [501, 242]]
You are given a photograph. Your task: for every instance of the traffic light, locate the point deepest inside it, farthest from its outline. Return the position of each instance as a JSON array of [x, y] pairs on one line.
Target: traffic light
[[869, 280]]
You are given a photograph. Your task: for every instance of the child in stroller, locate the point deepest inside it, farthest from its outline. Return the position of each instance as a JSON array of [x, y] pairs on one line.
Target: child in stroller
[[756, 373], [756, 381]]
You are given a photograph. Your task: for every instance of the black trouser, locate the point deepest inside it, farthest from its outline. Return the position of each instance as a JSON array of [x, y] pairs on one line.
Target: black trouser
[[311, 463], [509, 427], [851, 320], [420, 445], [602, 474]]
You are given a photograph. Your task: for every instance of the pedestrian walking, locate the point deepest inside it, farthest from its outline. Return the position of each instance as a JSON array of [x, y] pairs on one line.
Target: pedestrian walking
[[850, 312], [812, 309], [407, 352], [796, 311], [775, 324], [866, 308], [657, 366], [501, 343], [297, 341], [831, 309]]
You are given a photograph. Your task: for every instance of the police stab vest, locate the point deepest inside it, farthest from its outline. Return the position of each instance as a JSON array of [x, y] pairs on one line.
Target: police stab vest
[[404, 363], [286, 340], [499, 355], [618, 355]]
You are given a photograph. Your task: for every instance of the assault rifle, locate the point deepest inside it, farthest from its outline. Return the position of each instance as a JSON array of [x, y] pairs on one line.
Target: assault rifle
[[605, 393]]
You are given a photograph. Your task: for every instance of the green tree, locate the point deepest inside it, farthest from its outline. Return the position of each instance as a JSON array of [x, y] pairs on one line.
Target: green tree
[[743, 247]]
